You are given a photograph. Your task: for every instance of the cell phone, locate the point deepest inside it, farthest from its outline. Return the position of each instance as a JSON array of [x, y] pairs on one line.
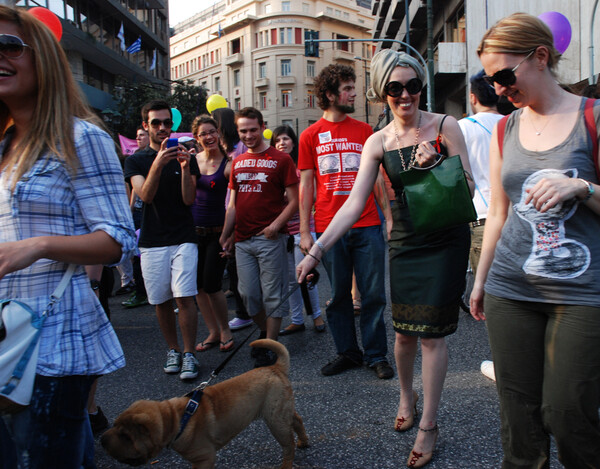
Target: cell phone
[[190, 144], [172, 142]]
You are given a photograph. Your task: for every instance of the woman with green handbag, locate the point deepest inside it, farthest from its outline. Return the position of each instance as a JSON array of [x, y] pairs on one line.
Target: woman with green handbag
[[427, 268]]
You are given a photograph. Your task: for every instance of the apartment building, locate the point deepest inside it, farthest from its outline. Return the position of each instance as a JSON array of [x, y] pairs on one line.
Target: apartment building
[[459, 25], [90, 39], [252, 53]]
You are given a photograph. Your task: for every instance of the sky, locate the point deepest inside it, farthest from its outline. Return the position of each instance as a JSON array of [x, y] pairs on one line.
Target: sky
[[180, 10]]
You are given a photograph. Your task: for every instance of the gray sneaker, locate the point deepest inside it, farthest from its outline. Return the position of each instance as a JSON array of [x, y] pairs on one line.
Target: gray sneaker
[[173, 363], [189, 369]]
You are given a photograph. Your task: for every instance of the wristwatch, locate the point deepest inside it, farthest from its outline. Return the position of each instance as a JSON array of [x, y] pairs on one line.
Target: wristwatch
[[590, 191], [95, 284]]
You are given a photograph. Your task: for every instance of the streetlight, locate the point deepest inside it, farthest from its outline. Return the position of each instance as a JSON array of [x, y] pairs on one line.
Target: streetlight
[[366, 87]]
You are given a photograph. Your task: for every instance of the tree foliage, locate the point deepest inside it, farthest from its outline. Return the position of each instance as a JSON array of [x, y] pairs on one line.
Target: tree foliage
[[188, 98]]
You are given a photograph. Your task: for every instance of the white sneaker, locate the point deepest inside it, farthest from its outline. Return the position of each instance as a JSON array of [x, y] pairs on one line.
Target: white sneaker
[[189, 367], [487, 369]]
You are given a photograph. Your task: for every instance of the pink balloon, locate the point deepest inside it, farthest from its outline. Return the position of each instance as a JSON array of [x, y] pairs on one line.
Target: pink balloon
[[560, 27]]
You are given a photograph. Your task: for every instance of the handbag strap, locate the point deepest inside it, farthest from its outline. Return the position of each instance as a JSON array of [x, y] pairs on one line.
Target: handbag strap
[[60, 288], [590, 124], [438, 140], [501, 128]]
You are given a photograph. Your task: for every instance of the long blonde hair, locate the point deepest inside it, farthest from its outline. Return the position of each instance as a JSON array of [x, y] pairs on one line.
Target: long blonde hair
[[58, 101]]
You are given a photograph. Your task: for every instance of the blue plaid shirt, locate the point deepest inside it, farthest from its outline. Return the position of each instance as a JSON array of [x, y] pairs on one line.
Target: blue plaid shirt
[[77, 338]]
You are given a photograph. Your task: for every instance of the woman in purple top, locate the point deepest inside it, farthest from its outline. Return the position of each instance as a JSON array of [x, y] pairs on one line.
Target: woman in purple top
[[209, 213]]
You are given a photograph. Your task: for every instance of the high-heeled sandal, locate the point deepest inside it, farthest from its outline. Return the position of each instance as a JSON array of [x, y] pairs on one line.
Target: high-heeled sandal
[[416, 459], [406, 423]]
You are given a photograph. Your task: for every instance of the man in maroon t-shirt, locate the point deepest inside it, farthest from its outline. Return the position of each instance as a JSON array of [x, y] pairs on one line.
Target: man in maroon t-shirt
[[261, 180]]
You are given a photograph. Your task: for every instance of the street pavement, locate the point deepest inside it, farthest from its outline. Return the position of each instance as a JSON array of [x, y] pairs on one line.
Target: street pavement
[[349, 418]]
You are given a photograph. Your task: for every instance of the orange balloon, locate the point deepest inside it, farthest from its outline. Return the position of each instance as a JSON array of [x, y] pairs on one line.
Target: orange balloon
[[49, 19]]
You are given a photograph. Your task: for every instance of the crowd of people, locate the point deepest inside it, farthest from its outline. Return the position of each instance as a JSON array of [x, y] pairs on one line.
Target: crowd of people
[[270, 211]]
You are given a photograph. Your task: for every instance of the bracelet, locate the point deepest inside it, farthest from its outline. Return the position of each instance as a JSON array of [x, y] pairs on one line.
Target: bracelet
[[314, 257], [320, 245], [590, 191]]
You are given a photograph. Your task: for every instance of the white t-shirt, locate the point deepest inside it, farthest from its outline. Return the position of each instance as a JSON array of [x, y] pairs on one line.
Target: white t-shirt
[[478, 136]]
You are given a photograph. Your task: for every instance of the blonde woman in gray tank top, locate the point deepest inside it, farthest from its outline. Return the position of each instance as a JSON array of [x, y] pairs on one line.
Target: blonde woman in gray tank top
[[538, 281]]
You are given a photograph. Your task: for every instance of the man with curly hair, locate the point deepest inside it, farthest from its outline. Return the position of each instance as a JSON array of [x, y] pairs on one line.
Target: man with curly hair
[[329, 157]]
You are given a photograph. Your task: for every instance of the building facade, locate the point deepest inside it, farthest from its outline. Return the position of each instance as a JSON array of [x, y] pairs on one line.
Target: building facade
[[252, 53], [457, 29], [90, 39]]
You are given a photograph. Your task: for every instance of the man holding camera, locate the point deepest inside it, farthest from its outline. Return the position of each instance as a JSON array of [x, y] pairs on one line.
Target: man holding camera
[[164, 176]]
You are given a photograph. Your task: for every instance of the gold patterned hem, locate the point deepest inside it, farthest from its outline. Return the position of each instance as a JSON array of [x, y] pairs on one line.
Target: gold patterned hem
[[425, 320]]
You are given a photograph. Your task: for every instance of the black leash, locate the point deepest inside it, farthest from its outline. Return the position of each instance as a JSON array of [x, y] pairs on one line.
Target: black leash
[[195, 394]]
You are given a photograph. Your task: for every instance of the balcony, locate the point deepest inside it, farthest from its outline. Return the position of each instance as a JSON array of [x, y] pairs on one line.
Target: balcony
[[286, 80], [343, 56], [451, 57], [234, 59], [261, 83]]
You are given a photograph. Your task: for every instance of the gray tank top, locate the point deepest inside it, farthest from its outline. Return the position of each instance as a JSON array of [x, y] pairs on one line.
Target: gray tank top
[[551, 257]]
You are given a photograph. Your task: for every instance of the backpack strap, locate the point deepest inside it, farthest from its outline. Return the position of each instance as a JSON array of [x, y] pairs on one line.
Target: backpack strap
[[590, 124], [501, 128]]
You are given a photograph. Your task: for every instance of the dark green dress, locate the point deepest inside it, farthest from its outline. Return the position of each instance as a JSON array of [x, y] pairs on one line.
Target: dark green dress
[[427, 272]]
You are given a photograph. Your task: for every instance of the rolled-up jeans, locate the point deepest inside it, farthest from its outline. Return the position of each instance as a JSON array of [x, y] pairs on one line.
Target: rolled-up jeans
[[361, 250], [547, 365], [52, 432]]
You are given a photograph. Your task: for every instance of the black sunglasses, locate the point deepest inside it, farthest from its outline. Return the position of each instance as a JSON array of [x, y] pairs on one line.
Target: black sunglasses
[[395, 89], [506, 76], [157, 122], [12, 47]]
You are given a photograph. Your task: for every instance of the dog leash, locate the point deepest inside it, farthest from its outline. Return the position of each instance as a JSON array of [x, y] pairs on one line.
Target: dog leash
[[195, 395]]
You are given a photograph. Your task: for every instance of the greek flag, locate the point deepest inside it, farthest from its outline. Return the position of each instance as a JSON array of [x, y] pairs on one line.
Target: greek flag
[[136, 46], [121, 37], [153, 66]]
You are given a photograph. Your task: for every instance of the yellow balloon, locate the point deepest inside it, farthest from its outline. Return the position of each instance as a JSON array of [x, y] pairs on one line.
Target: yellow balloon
[[215, 101], [268, 133]]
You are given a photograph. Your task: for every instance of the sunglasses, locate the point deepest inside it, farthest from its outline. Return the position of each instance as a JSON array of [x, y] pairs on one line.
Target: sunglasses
[[157, 122], [395, 89], [506, 76], [12, 47]]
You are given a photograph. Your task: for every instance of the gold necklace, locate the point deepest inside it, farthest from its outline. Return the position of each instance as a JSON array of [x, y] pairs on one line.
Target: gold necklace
[[414, 148], [551, 114]]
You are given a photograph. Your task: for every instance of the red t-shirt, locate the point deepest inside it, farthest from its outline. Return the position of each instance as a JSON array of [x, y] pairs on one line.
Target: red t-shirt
[[333, 150], [259, 180]]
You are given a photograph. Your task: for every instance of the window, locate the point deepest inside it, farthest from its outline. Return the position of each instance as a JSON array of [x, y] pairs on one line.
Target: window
[[455, 27], [285, 6], [238, 104], [285, 36], [262, 69], [310, 68], [342, 45], [286, 98], [310, 99], [217, 84], [267, 8], [288, 122], [368, 79], [236, 46], [305, 8], [286, 67], [262, 97], [236, 77]]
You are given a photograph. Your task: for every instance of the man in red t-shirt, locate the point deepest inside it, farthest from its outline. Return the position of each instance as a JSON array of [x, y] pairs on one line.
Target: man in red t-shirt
[[329, 157], [256, 218]]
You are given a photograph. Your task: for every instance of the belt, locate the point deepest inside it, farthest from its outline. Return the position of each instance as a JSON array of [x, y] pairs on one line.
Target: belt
[[204, 230], [477, 223]]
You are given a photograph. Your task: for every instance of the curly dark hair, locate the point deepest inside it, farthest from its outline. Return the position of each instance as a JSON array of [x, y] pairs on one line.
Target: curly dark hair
[[329, 79]]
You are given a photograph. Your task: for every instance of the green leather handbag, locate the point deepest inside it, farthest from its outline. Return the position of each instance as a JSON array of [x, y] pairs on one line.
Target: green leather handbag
[[438, 197]]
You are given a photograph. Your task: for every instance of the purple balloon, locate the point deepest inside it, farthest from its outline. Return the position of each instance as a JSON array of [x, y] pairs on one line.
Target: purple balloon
[[560, 27]]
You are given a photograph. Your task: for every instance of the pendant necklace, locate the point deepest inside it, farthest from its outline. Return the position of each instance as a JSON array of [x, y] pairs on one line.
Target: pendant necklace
[[414, 148], [539, 132]]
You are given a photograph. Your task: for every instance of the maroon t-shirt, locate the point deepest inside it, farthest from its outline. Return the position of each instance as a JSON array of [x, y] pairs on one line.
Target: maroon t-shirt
[[259, 180]]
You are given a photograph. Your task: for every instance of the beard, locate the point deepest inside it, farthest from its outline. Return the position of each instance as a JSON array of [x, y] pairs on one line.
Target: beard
[[345, 108]]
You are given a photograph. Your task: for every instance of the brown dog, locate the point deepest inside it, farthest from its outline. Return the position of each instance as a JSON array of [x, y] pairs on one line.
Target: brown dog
[[225, 409]]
